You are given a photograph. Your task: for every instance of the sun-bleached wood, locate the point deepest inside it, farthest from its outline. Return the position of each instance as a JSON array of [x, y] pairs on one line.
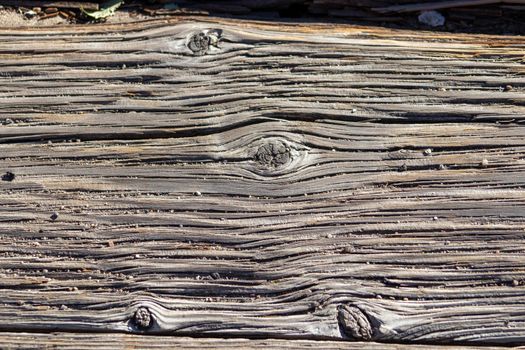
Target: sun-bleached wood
[[81, 341], [265, 180]]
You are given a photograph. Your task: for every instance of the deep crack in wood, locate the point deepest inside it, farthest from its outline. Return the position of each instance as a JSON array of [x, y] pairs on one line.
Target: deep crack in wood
[[354, 322]]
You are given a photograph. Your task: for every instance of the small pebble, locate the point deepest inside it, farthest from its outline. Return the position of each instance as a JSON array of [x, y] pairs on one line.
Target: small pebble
[[515, 283], [431, 18], [348, 250], [484, 163], [507, 88], [197, 193], [30, 14], [427, 152], [54, 216]]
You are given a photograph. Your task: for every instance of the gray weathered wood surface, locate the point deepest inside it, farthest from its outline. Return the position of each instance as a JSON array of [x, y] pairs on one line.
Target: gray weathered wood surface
[[81, 341], [284, 181]]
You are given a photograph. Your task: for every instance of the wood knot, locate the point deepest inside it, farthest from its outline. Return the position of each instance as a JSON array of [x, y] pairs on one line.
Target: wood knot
[[9, 176], [354, 322], [274, 154], [200, 43], [142, 319]]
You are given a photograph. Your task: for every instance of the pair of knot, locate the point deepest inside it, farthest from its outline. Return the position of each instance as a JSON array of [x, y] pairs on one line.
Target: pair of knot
[[352, 320]]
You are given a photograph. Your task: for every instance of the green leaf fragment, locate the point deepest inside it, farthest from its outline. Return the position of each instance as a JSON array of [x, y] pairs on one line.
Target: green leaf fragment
[[108, 9]]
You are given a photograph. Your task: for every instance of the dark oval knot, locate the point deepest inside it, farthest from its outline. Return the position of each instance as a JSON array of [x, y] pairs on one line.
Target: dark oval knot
[[199, 43], [9, 176], [274, 154], [142, 318], [354, 322]]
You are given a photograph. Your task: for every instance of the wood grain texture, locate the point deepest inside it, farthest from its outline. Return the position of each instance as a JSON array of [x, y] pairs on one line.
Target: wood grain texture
[[263, 180], [81, 341]]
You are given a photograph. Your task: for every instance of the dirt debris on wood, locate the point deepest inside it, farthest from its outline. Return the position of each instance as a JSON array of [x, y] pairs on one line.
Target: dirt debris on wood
[[267, 187], [469, 16]]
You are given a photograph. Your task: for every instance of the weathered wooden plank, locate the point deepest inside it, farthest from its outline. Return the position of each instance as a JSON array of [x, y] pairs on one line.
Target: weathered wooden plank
[[316, 182], [81, 341]]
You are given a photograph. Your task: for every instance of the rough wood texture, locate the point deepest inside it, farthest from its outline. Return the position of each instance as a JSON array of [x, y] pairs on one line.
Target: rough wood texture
[[76, 341], [257, 180]]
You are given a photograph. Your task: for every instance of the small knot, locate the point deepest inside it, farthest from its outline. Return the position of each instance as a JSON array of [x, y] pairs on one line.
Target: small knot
[[354, 322], [199, 44], [9, 176], [142, 318], [274, 154]]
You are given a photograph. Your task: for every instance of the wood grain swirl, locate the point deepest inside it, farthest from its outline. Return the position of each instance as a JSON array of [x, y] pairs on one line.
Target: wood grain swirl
[[221, 178]]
